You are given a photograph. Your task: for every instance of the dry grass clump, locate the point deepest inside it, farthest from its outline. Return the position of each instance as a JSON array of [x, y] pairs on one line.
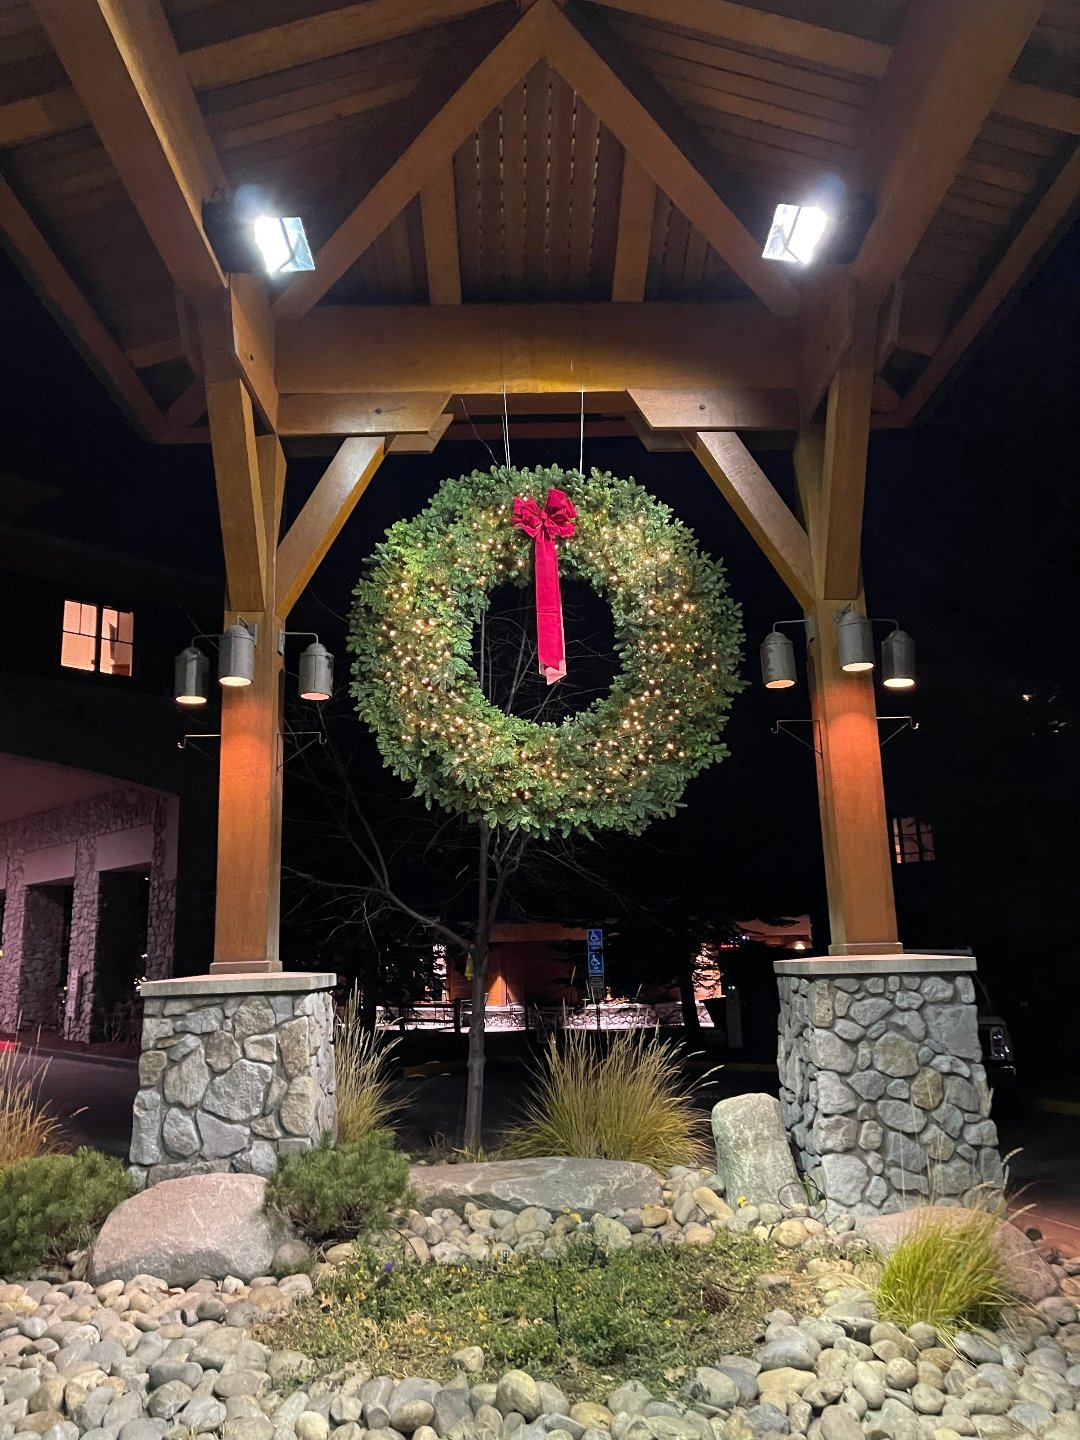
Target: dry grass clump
[[628, 1101], [27, 1127], [947, 1272], [365, 1087]]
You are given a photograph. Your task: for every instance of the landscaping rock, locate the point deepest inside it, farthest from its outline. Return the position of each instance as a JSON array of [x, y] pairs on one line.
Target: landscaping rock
[[582, 1186], [183, 1230], [753, 1157]]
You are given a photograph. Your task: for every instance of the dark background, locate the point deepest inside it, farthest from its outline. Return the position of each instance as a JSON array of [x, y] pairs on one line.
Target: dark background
[[972, 538]]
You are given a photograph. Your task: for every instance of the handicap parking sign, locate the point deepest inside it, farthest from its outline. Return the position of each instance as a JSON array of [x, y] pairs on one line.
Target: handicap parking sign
[[596, 962], [595, 939]]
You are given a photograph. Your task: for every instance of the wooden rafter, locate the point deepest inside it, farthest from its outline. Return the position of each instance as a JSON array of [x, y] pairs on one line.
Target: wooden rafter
[[837, 531], [732, 408], [240, 494], [940, 85], [751, 494], [124, 64], [799, 40], [361, 414], [327, 508], [615, 105], [35, 256], [439, 218], [637, 201]]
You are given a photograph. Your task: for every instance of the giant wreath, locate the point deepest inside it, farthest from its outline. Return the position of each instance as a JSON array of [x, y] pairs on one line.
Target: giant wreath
[[617, 765]]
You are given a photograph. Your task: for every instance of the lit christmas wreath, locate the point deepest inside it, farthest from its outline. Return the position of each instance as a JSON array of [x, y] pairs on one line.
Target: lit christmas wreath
[[617, 765]]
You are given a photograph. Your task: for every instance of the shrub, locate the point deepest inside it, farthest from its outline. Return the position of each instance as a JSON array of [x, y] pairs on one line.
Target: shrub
[[947, 1271], [654, 1311], [335, 1191], [630, 1103], [50, 1204], [365, 1098], [27, 1127]]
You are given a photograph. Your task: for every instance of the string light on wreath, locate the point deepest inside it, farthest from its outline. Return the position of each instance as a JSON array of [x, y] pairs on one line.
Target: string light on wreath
[[617, 765]]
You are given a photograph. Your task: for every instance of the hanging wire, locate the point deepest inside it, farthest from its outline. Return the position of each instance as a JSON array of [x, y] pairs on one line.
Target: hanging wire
[[506, 428], [479, 438], [581, 438]]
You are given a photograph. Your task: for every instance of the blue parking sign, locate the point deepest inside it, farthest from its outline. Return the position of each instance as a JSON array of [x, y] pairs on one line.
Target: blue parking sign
[[596, 962], [595, 939]]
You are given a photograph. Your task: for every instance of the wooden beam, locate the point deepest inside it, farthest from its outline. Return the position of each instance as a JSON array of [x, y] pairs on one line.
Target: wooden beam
[[421, 444], [838, 542], [36, 259], [734, 408], [750, 493], [826, 325], [1051, 212], [471, 349], [239, 492], [412, 413], [943, 77], [189, 406], [637, 201], [327, 508], [662, 159], [885, 399], [801, 41], [154, 352], [433, 147], [124, 64], [438, 214]]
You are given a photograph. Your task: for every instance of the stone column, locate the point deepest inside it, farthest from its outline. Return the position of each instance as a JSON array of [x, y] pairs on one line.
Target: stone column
[[82, 949], [42, 957], [235, 1071], [882, 1083]]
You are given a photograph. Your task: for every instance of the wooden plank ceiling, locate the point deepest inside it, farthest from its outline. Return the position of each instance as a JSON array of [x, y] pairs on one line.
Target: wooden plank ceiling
[[768, 96]]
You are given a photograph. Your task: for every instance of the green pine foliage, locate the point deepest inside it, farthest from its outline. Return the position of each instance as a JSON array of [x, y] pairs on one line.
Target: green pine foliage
[[50, 1204], [334, 1192], [619, 764]]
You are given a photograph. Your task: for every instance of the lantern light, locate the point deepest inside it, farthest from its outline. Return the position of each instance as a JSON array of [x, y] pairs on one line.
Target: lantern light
[[898, 660], [236, 655], [191, 677], [777, 661], [316, 673], [854, 641]]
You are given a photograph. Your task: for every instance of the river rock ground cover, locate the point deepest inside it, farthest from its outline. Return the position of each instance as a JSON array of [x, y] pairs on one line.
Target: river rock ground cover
[[738, 1323]]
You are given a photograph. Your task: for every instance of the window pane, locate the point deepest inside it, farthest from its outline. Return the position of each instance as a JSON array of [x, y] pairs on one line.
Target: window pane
[[77, 651], [72, 611], [115, 658], [88, 620], [116, 648]]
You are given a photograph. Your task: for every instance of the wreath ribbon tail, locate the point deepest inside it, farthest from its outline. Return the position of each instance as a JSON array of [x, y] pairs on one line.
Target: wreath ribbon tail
[[550, 638]]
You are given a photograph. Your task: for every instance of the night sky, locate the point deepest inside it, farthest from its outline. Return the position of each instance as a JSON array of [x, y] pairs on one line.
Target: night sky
[[972, 541]]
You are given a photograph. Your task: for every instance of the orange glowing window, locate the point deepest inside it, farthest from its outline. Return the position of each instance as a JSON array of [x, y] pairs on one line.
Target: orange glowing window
[[913, 841], [97, 638]]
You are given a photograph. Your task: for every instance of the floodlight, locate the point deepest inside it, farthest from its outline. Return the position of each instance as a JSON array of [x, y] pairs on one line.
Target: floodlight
[[777, 661], [190, 673], [795, 233], [316, 673], [898, 660], [282, 244], [236, 656], [854, 641]]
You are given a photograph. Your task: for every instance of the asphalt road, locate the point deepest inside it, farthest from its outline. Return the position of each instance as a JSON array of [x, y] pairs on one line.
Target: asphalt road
[[93, 1099]]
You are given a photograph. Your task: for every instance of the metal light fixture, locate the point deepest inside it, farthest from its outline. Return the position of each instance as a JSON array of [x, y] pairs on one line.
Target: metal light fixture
[[236, 655], [247, 232], [316, 673], [191, 673], [777, 661], [854, 641], [898, 660]]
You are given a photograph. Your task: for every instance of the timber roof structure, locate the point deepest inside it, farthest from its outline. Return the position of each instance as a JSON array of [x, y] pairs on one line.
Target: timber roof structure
[[482, 179]]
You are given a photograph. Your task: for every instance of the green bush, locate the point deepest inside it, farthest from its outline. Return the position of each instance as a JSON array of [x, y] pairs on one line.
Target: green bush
[[50, 1204], [331, 1192], [947, 1272], [653, 1311]]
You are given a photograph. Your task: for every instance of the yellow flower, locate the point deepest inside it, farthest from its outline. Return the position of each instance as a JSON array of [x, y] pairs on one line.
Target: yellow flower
[[741, 1200]]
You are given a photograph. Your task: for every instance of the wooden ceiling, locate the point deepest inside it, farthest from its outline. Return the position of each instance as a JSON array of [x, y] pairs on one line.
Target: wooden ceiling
[[443, 153]]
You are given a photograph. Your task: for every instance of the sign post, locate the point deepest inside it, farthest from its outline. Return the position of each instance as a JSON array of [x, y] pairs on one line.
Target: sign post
[[595, 941]]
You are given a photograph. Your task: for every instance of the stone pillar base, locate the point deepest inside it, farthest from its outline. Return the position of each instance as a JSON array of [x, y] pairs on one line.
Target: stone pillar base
[[882, 1083], [235, 1072]]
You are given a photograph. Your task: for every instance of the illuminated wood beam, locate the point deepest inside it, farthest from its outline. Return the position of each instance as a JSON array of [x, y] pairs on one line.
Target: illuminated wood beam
[[838, 537], [409, 413], [154, 352], [751, 494], [942, 79], [325, 511], [536, 349], [734, 408], [36, 258], [826, 325], [432, 148], [239, 492], [615, 105], [438, 215], [637, 202]]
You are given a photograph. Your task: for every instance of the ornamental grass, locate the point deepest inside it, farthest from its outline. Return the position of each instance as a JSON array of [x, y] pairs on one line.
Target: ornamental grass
[[947, 1272], [365, 1089], [627, 1101], [27, 1126]]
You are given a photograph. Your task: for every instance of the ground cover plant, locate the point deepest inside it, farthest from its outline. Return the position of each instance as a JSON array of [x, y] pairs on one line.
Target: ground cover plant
[[948, 1272], [27, 1126], [628, 1101], [653, 1311], [50, 1204], [364, 1086], [332, 1192]]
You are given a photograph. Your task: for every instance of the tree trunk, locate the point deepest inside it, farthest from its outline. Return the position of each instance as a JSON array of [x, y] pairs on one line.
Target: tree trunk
[[474, 1103], [691, 1023]]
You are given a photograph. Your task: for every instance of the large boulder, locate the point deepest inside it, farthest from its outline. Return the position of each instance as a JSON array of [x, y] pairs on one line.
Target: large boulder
[[587, 1186], [198, 1227], [1026, 1272], [753, 1157]]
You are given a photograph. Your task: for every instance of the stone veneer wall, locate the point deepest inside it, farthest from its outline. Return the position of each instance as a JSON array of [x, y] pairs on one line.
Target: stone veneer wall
[[231, 1080], [884, 1092]]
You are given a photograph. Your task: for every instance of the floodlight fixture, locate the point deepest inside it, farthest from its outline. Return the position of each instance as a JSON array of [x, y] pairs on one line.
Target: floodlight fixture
[[247, 232], [316, 673], [777, 661], [854, 641], [898, 660], [236, 655], [795, 233], [191, 672]]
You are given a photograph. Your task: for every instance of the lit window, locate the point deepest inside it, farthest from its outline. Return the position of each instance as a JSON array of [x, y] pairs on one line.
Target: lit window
[[97, 638], [913, 841], [795, 233]]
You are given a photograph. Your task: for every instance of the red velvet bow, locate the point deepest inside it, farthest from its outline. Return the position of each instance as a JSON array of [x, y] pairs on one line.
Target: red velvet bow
[[544, 526]]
